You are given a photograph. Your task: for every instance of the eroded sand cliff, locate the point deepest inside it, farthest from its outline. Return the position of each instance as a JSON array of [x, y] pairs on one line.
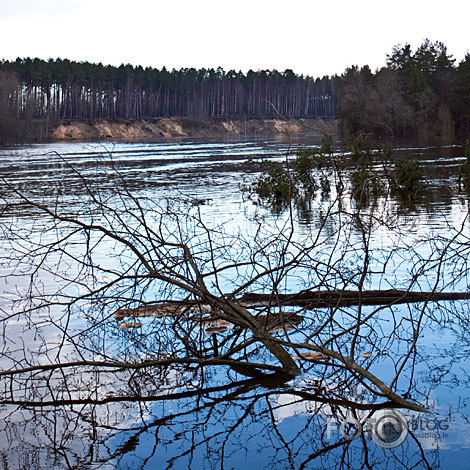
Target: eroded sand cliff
[[166, 127]]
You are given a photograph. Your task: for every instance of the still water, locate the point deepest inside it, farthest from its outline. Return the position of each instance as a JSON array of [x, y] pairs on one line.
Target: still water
[[186, 417]]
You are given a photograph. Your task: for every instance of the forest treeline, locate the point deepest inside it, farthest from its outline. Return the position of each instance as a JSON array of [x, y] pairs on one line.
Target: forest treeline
[[418, 93], [422, 92], [32, 89]]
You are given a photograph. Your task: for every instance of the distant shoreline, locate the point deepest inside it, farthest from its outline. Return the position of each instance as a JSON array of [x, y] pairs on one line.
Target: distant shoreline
[[104, 130]]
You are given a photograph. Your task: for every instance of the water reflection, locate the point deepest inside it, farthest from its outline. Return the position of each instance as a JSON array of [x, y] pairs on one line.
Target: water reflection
[[198, 414], [193, 418]]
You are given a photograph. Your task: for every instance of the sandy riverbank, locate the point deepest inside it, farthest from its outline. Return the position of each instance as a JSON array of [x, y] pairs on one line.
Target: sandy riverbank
[[167, 127]]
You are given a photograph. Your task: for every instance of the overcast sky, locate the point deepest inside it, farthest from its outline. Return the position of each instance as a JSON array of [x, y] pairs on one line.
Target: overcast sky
[[310, 37]]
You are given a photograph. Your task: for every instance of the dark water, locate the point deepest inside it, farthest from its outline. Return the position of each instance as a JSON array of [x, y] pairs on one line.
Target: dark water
[[216, 417]]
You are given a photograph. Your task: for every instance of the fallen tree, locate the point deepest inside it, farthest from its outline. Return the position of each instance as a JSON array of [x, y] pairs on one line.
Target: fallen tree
[[308, 299]]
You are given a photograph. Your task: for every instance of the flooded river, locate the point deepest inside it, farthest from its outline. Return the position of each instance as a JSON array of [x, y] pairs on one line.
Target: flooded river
[[58, 306]]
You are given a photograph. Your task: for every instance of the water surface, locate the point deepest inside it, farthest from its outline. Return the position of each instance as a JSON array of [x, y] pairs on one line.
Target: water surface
[[222, 419]]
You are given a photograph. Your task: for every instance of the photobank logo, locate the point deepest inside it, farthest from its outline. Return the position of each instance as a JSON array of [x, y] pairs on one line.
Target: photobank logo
[[387, 428]]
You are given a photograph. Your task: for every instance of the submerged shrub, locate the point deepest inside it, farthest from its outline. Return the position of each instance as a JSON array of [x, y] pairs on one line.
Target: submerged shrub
[[326, 144], [366, 184], [325, 185], [307, 173], [276, 186], [407, 177], [326, 148], [302, 166], [361, 150]]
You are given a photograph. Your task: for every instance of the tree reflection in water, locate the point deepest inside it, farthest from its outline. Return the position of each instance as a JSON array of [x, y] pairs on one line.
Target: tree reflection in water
[[145, 343]]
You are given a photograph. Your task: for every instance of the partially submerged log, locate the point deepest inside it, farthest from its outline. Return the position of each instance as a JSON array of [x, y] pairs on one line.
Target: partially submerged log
[[275, 321], [311, 356], [307, 299], [347, 298], [130, 324], [161, 309]]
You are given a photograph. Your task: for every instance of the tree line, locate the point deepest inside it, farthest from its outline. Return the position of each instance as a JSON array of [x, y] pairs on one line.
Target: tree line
[[418, 93], [81, 90]]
